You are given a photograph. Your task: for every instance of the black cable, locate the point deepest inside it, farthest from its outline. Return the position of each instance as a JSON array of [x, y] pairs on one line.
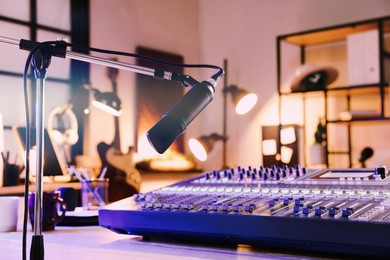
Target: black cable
[[216, 76], [134, 55], [27, 168]]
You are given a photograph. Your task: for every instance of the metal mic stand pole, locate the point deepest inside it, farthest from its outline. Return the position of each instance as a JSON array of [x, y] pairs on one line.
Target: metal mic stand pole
[[40, 62], [224, 132]]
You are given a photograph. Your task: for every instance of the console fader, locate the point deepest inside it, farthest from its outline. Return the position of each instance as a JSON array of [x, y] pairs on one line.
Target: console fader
[[344, 211]]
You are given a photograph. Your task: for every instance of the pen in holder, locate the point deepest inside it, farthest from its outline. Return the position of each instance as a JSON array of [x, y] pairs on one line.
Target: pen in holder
[[94, 193]]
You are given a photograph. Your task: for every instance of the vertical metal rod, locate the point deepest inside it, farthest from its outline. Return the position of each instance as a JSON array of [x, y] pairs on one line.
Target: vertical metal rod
[[224, 133], [326, 128], [39, 132], [279, 83], [37, 251], [349, 133], [381, 68], [304, 130]]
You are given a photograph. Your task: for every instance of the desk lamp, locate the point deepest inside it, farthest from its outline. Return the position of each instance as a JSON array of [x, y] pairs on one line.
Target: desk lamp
[[106, 101]]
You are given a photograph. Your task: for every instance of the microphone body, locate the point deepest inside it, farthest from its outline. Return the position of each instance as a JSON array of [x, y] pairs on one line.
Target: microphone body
[[174, 122]]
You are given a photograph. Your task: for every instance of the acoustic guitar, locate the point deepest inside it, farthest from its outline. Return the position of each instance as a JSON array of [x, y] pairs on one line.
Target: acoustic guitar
[[124, 178]]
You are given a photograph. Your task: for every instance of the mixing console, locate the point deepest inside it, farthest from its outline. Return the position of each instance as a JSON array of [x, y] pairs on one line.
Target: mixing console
[[344, 211]]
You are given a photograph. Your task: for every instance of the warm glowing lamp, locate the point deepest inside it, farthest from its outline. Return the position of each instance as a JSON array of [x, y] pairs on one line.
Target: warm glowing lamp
[[201, 146], [242, 100]]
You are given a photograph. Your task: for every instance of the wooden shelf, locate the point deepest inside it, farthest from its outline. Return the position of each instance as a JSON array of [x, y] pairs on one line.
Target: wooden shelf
[[379, 118], [335, 33], [356, 88], [349, 94], [338, 152]]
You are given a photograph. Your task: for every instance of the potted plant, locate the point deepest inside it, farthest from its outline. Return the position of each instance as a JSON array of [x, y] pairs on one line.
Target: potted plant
[[317, 150]]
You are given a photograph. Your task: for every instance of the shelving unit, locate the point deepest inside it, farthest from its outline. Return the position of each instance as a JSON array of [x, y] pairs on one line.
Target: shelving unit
[[334, 37]]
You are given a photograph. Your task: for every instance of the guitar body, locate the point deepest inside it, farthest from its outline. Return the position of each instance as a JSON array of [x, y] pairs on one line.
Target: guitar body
[[124, 178]]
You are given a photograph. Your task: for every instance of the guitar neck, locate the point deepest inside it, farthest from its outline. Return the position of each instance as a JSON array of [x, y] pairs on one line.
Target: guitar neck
[[114, 87], [117, 141]]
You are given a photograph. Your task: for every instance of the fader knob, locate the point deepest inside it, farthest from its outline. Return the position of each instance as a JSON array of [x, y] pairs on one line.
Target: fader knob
[[298, 202], [319, 211], [346, 212], [297, 209], [332, 212], [271, 203], [307, 210]]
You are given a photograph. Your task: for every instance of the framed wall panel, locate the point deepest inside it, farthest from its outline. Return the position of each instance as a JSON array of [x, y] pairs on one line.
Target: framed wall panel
[[155, 97]]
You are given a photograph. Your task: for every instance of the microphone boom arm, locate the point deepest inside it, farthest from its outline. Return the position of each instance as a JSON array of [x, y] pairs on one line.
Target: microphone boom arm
[[185, 80]]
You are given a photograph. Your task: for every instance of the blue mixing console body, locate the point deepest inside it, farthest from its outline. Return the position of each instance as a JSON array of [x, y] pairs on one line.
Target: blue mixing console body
[[345, 211]]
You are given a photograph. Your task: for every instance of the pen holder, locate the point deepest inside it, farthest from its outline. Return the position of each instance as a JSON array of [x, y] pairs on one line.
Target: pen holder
[[94, 194], [11, 174]]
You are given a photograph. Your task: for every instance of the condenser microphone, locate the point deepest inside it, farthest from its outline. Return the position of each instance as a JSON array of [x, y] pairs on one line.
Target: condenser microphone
[[174, 122]]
